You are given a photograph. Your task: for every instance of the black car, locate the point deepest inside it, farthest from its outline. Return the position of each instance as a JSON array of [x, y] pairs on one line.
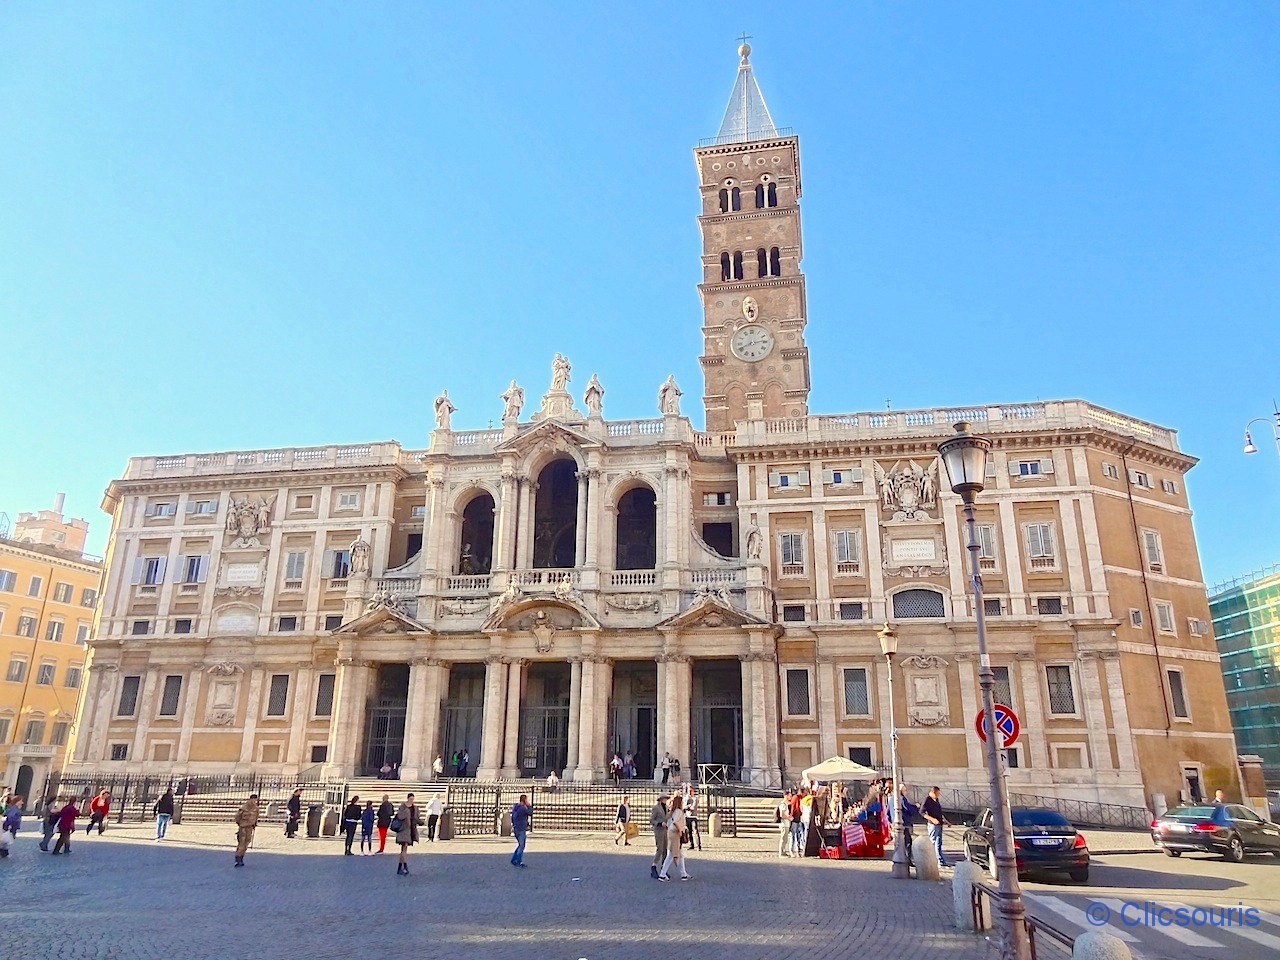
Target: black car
[[1044, 841], [1226, 828]]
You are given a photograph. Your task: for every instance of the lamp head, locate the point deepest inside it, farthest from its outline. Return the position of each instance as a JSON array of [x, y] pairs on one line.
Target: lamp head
[[1248, 443], [888, 640], [965, 456]]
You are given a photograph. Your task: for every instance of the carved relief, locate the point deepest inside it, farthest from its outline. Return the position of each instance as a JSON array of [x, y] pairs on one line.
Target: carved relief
[[923, 662], [633, 602], [360, 560], [463, 608], [907, 489], [224, 668], [247, 518], [544, 632], [384, 600]]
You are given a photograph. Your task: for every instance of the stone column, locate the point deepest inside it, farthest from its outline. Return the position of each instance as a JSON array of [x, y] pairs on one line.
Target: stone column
[[1125, 751], [676, 680], [586, 728], [599, 714], [827, 681], [1032, 717], [575, 713], [502, 555], [252, 708], [756, 736], [580, 546], [1095, 712], [524, 527], [192, 697], [437, 687], [670, 516], [302, 689], [412, 764], [91, 735], [1012, 559], [594, 516], [347, 722], [431, 545], [511, 739], [495, 677]]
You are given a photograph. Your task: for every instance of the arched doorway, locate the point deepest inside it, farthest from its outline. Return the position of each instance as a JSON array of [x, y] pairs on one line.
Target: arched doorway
[[475, 548], [555, 515], [23, 787], [637, 530]]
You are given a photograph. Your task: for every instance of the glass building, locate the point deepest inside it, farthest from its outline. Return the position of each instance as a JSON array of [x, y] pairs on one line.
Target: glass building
[[1246, 623]]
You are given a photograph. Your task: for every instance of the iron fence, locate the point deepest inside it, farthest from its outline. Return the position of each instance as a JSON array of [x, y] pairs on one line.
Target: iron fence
[[133, 797], [1045, 939], [1081, 813]]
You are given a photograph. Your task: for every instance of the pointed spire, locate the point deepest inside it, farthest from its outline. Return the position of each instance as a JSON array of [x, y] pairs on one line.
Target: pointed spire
[[746, 117]]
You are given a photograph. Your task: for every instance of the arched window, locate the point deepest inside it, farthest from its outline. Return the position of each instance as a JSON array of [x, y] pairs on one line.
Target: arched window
[[637, 530], [737, 265], [725, 273], [759, 196], [735, 197], [775, 262], [762, 263], [475, 547], [724, 201], [918, 603], [555, 515], [773, 194]]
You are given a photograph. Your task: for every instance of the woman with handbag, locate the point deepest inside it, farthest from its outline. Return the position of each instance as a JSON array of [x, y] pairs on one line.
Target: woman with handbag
[[620, 821], [405, 825], [676, 839]]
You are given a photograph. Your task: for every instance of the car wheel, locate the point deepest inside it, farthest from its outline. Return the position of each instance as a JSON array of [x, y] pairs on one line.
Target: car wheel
[[1079, 876], [1172, 853], [1235, 851], [991, 863]]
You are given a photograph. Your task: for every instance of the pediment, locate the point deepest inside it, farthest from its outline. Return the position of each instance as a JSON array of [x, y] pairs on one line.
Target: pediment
[[711, 611], [548, 431], [384, 621], [526, 612]]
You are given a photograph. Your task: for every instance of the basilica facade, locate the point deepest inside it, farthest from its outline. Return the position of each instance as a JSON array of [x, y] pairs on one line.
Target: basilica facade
[[565, 586]]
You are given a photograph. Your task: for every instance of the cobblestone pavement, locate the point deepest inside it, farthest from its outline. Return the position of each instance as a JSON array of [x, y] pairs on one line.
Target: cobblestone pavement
[[124, 895]]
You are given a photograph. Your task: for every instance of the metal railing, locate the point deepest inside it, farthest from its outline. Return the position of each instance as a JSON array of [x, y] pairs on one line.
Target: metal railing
[[1081, 813], [133, 797], [1040, 935]]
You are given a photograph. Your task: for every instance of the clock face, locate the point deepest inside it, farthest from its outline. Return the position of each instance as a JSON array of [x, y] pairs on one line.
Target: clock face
[[752, 342]]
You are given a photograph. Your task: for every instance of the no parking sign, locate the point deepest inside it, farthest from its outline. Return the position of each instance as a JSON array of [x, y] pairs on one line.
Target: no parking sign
[[1006, 722]]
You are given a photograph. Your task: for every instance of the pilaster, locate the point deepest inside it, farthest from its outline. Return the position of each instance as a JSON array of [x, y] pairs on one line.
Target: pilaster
[[190, 698], [252, 708], [511, 739], [1033, 712], [491, 730], [575, 713]]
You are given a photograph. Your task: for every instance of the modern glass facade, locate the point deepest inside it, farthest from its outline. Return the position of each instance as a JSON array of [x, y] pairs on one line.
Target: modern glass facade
[[1246, 624]]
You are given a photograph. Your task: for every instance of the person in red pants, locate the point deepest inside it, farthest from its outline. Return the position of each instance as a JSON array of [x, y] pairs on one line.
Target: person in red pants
[[385, 812]]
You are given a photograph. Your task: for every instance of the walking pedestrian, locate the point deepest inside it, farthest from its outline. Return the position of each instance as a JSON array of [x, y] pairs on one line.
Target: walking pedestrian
[[437, 767], [464, 759], [350, 821], [676, 838], [658, 822], [620, 821], [934, 815], [691, 816], [294, 806], [406, 827], [12, 822], [367, 817], [797, 823], [782, 816], [67, 814], [520, 815], [615, 769], [99, 807], [386, 811], [246, 823], [50, 825], [665, 765], [163, 812], [435, 807]]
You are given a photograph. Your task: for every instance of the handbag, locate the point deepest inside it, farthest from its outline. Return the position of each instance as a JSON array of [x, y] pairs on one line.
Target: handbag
[[396, 824]]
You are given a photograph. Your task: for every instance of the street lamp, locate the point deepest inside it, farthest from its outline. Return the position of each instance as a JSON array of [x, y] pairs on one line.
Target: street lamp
[[965, 456], [901, 870], [1275, 432]]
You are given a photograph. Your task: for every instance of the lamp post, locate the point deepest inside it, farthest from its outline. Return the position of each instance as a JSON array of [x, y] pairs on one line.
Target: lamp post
[[1249, 448], [901, 870], [965, 456]]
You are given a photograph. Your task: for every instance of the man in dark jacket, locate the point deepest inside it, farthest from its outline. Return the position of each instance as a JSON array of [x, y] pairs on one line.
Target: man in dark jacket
[[658, 821], [520, 815], [163, 811], [294, 806], [350, 822], [386, 811], [933, 814]]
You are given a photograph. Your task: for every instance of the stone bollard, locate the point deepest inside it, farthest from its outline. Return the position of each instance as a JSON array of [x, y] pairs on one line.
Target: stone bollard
[[330, 826], [504, 824], [966, 874], [1096, 945], [714, 823], [444, 829], [926, 859]]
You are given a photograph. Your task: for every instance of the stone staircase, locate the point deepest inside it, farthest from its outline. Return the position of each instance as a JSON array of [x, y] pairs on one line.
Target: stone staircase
[[753, 817]]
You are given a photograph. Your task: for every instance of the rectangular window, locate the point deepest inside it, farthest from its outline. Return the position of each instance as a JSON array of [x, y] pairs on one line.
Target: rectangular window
[[333, 621], [71, 680], [26, 626], [152, 571], [717, 499], [128, 704], [88, 597], [348, 501], [1178, 695], [857, 700], [119, 751], [287, 624], [1011, 758], [1003, 690], [798, 692], [4, 729], [44, 674], [304, 501], [17, 671], [1152, 551], [163, 508], [34, 733], [53, 632], [848, 551], [82, 634], [36, 585], [1110, 471], [295, 565], [793, 612], [324, 694], [1040, 546], [169, 697], [140, 628], [791, 478], [202, 507], [1062, 696], [195, 568], [1168, 486], [1028, 468], [1135, 618], [842, 477], [59, 735], [1140, 479], [339, 564], [1049, 606], [987, 541], [992, 607], [1197, 627], [278, 697], [861, 755], [417, 511], [62, 592], [1164, 617], [850, 610], [7, 580], [182, 625], [319, 753], [791, 550]]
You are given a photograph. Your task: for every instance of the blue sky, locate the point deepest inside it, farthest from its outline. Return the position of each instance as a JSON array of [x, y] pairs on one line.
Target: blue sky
[[241, 225]]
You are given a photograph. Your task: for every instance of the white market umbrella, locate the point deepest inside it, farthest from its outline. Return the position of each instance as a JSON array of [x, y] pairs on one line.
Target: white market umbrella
[[838, 768]]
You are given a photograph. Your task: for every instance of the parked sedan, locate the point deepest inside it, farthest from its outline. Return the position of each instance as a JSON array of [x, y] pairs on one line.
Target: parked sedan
[[1044, 841], [1226, 828]]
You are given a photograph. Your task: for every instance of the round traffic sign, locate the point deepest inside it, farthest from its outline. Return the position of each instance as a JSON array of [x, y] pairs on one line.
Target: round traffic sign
[[1006, 722]]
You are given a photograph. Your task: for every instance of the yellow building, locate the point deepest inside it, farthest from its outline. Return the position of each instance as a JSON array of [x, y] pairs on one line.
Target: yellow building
[[48, 592]]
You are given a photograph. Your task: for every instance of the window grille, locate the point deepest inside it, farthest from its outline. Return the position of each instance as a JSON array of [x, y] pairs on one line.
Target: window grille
[[324, 695], [1003, 690], [1062, 696], [856, 700], [918, 603], [128, 704], [850, 611], [798, 692], [169, 698], [278, 698]]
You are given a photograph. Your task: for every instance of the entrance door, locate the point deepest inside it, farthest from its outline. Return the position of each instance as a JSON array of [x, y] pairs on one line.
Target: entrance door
[[716, 715], [462, 716], [633, 715], [23, 788], [544, 720], [385, 718]]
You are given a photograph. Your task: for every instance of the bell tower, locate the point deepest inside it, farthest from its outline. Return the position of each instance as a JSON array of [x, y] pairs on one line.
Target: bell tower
[[754, 359]]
